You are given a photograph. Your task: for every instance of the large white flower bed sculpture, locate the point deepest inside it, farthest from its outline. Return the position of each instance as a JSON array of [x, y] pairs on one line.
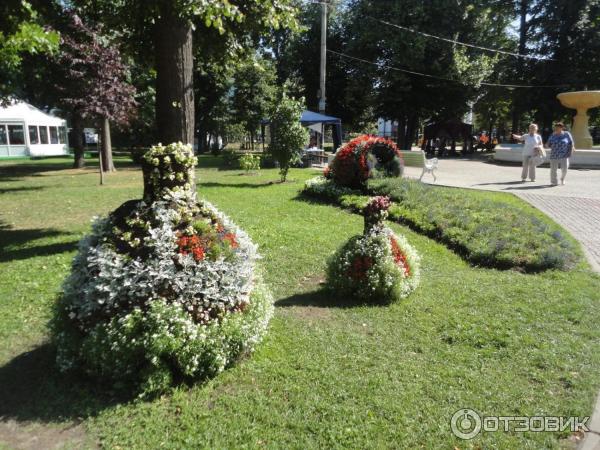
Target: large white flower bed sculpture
[[164, 289]]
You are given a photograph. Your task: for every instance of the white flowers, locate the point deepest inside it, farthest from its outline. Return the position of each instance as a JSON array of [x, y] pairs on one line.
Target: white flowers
[[379, 267], [137, 310]]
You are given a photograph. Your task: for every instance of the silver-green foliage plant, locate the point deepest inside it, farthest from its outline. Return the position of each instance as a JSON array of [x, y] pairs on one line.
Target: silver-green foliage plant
[[164, 290], [288, 136]]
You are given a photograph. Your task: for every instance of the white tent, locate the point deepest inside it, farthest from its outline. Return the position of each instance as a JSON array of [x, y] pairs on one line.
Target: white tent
[[28, 131]]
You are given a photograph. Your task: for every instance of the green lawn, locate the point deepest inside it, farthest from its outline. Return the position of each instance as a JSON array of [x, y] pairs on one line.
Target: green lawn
[[330, 374]]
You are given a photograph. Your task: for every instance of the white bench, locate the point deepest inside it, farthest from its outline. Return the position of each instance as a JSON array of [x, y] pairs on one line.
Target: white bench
[[419, 159]]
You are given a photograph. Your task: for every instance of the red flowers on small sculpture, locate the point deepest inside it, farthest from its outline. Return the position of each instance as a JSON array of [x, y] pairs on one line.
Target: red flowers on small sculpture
[[359, 268], [399, 256]]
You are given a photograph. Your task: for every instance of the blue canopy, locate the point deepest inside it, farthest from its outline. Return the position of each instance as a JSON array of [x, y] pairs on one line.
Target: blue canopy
[[311, 118]]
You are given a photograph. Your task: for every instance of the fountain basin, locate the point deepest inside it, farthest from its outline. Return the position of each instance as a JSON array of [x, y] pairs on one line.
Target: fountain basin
[[581, 101], [582, 158]]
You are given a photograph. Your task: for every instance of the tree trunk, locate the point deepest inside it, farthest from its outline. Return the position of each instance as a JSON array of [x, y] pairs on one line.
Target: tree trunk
[[78, 144], [523, 29], [401, 136], [106, 148], [174, 82]]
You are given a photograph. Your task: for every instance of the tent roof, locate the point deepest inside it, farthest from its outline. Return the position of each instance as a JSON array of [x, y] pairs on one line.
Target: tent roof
[[310, 117], [23, 111]]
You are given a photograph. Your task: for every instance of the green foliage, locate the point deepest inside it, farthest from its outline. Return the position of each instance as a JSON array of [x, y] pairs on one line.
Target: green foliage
[[288, 136], [249, 162], [254, 93], [20, 34], [230, 158], [486, 232]]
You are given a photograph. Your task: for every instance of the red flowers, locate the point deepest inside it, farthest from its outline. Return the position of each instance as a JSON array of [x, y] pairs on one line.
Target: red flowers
[[214, 243], [230, 238], [399, 256], [193, 245], [360, 266], [351, 166]]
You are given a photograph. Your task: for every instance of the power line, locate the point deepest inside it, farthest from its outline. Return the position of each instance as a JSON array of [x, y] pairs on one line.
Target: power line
[[343, 55], [452, 41]]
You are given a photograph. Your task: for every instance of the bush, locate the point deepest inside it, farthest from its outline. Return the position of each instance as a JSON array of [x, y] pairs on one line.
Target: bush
[[365, 157], [230, 158], [163, 290], [483, 230], [249, 162], [378, 266], [288, 136]]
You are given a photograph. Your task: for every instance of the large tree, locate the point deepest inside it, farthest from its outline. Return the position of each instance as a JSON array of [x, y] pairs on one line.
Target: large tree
[[388, 35], [171, 23], [254, 92]]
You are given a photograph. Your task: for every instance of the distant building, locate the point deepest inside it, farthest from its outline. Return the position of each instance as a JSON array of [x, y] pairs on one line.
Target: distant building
[[28, 131], [387, 128]]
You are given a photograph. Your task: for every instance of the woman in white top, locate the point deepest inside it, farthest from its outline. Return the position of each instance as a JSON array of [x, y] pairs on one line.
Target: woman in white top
[[531, 141]]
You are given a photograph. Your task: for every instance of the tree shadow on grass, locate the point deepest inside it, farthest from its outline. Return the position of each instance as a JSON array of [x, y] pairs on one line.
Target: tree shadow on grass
[[20, 189], [322, 298], [14, 243], [15, 172], [212, 184], [32, 390], [19, 170]]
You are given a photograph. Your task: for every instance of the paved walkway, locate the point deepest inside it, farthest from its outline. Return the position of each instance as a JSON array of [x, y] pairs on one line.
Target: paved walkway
[[575, 206]]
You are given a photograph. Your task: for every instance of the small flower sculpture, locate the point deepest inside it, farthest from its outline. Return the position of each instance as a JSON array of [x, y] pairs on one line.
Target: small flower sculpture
[[164, 289], [378, 266], [365, 157]]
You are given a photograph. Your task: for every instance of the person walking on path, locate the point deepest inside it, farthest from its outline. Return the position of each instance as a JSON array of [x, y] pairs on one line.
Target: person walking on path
[[532, 143], [562, 145]]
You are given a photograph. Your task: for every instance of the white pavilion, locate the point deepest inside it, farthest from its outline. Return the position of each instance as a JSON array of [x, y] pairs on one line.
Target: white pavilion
[[28, 131]]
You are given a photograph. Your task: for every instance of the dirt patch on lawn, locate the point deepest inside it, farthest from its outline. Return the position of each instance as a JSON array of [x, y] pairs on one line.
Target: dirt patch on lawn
[[33, 436], [310, 313]]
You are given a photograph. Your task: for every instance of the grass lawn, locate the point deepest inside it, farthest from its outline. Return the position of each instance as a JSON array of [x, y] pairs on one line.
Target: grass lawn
[[330, 374]]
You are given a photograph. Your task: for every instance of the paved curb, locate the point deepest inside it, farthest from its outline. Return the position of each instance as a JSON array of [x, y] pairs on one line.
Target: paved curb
[[591, 441]]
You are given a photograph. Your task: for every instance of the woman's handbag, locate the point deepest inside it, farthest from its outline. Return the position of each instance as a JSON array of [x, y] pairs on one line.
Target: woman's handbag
[[539, 156]]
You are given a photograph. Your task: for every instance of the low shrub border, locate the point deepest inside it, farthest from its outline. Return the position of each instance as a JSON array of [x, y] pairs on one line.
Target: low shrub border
[[484, 231]]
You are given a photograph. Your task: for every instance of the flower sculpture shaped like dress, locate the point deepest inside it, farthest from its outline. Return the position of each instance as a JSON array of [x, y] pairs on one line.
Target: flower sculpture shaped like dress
[[164, 290], [378, 266]]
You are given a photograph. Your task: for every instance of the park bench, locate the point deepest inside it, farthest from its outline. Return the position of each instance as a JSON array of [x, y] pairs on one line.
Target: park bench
[[419, 159]]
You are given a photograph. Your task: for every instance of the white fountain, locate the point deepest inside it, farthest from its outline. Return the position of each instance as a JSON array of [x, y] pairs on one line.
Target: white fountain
[[585, 155]]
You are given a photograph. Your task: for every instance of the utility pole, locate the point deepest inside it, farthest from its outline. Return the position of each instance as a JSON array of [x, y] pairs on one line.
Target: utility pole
[[323, 56]]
